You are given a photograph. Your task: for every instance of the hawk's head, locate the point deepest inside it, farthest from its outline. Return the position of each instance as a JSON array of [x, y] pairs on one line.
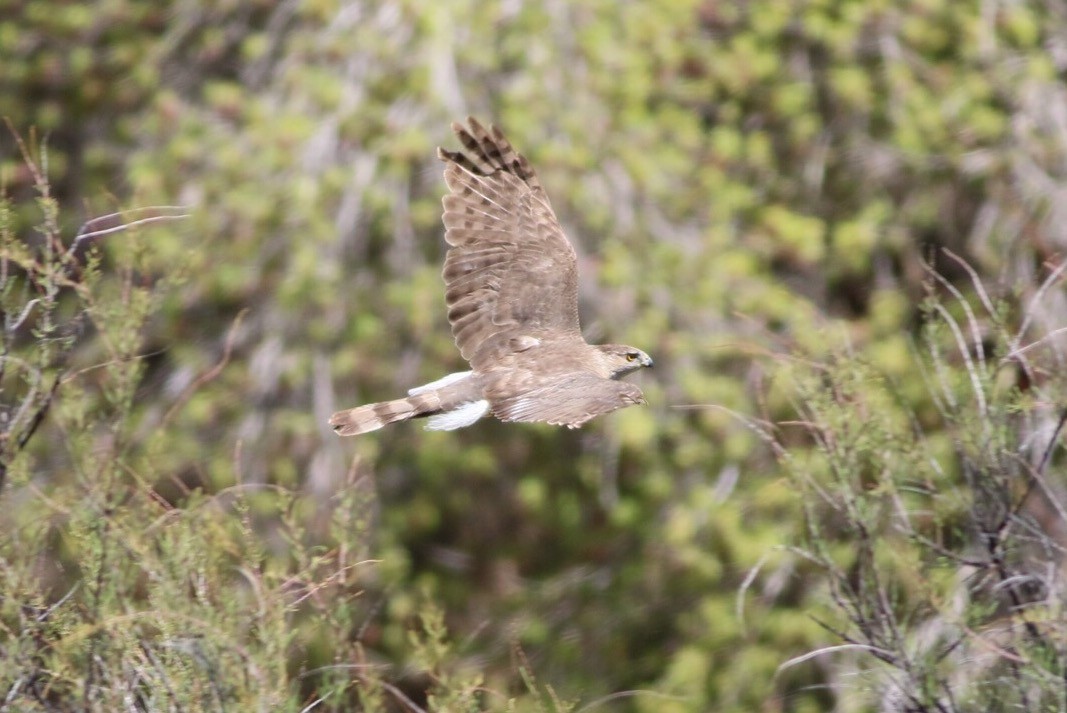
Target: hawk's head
[[620, 359]]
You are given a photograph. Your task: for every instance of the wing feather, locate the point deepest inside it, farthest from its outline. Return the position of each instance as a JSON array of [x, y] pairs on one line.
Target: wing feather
[[510, 270], [570, 400]]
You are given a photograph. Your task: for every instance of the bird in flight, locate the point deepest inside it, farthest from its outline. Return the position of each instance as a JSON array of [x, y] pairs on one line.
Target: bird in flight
[[511, 287]]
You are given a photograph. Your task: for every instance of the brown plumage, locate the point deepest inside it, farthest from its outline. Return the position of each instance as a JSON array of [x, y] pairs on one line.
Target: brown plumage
[[511, 287]]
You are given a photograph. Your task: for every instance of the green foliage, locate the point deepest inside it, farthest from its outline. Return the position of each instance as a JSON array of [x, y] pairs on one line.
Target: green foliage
[[942, 563], [742, 181]]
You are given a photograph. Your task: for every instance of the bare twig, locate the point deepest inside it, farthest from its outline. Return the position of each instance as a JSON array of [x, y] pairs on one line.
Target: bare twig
[[12, 326], [399, 695], [743, 589], [961, 345], [832, 649], [1018, 351], [83, 236], [972, 323], [210, 374], [27, 156], [1031, 307], [619, 695], [976, 282], [36, 418]]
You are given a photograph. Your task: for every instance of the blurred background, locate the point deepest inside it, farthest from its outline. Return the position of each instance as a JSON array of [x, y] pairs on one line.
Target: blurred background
[[744, 182]]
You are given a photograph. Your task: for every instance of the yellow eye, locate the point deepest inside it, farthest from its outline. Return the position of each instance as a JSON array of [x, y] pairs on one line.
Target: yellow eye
[[631, 356]]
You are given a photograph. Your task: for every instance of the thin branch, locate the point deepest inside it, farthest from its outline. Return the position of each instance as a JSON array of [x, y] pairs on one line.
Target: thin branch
[[83, 231], [342, 667], [1047, 455], [618, 695], [961, 344], [211, 373], [401, 697], [27, 156], [749, 579], [13, 326], [29, 399], [82, 237], [35, 422], [975, 281], [43, 616], [152, 659], [1049, 281], [103, 532], [1037, 478], [313, 705], [972, 322], [1022, 350], [833, 649]]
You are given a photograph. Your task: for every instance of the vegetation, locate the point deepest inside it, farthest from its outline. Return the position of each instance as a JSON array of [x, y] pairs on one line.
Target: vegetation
[[836, 225]]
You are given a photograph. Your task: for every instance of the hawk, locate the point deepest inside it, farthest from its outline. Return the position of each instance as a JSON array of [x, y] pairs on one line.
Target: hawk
[[511, 279]]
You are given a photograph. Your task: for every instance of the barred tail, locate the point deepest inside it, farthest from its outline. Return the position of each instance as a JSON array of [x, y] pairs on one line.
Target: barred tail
[[453, 401], [364, 419]]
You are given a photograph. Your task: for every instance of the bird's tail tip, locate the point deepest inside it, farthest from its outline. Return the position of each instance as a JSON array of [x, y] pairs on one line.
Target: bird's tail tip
[[364, 419], [355, 421]]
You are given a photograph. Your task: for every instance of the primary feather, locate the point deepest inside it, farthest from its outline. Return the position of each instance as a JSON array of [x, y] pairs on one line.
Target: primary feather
[[511, 288]]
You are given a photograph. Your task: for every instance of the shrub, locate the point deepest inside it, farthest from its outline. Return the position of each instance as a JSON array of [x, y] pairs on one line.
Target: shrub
[[934, 522]]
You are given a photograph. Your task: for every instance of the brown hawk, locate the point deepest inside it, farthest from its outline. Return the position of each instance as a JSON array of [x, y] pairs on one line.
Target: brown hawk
[[511, 281]]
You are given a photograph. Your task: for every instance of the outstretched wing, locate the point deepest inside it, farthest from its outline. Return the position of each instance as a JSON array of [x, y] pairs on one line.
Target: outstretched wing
[[568, 401], [510, 271]]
